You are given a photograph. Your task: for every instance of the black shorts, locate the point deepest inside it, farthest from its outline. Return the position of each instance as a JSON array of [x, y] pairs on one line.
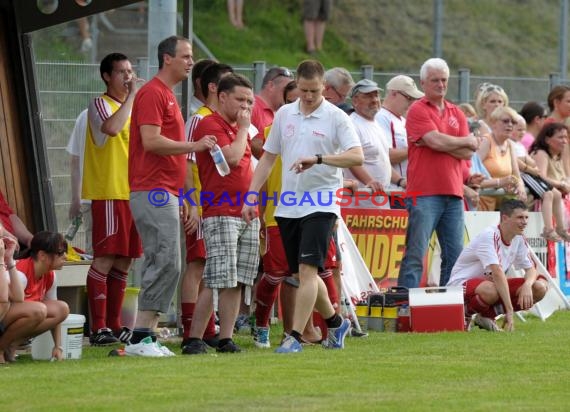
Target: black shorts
[[317, 9], [306, 239]]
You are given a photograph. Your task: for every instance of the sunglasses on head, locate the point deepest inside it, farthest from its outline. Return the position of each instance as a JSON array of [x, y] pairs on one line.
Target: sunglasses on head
[[494, 88], [282, 72]]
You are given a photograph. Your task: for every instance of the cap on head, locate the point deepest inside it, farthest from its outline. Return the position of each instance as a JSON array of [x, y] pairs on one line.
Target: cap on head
[[365, 86], [405, 85]]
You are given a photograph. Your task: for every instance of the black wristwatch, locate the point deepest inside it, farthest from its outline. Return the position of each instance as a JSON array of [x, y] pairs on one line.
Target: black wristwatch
[[319, 158]]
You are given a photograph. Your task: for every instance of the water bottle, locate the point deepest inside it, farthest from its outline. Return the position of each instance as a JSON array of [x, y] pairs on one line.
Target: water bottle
[[220, 160], [73, 227]]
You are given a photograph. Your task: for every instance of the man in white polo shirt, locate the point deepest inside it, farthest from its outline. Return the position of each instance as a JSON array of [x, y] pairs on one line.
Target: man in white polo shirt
[[315, 139]]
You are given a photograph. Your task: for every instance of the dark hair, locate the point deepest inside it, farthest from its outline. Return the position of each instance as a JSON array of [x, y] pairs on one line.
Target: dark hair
[[229, 82], [309, 69], [292, 85], [48, 242], [545, 133], [213, 74], [198, 70], [107, 64], [531, 110], [168, 46], [557, 93], [508, 206]]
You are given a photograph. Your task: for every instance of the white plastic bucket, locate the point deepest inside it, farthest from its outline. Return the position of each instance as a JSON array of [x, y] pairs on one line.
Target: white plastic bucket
[[71, 340]]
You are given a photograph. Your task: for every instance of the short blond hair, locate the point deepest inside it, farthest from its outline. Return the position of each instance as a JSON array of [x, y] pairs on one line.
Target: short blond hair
[[501, 111]]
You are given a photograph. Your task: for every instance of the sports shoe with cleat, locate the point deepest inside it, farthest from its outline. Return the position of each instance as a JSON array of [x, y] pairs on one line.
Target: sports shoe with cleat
[[229, 347], [213, 342], [103, 337], [289, 345], [335, 339], [124, 335], [242, 324], [145, 347], [261, 337], [356, 334], [195, 347], [487, 323]]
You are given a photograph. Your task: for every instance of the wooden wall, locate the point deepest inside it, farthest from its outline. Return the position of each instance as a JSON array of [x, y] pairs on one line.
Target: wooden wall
[[14, 182]]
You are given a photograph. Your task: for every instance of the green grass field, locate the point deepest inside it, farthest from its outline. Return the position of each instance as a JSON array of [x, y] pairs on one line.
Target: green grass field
[[478, 371]]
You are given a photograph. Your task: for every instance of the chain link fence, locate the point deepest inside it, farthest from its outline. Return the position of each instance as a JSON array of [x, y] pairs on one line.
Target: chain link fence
[[65, 89]]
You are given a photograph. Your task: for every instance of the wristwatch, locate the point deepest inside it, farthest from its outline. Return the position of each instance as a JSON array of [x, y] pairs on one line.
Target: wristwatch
[[319, 158]]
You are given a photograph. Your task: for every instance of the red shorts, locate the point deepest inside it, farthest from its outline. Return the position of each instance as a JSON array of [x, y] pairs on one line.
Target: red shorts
[[514, 285], [274, 259], [330, 261], [114, 231], [195, 248]]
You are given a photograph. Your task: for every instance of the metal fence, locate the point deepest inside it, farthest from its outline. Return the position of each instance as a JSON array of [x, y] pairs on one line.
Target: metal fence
[[65, 89]]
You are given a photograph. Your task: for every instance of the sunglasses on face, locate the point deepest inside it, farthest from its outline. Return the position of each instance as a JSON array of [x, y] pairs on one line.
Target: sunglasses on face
[[408, 98], [507, 122]]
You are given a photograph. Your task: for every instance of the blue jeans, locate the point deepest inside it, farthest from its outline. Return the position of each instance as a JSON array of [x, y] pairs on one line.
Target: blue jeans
[[444, 214]]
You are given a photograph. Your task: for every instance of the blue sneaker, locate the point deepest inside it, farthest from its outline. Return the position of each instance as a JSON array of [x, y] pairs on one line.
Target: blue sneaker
[[289, 345], [335, 339], [261, 337]]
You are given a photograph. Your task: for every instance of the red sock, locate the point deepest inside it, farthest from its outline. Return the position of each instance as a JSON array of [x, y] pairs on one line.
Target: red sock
[[116, 285], [97, 298], [477, 305], [265, 296], [319, 322], [328, 278], [210, 331], [186, 318]]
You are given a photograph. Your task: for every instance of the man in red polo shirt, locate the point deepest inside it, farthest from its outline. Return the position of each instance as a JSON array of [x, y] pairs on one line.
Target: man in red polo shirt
[[232, 245], [438, 144]]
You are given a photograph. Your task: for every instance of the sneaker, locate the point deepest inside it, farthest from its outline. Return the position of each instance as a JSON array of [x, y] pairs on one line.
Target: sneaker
[[357, 334], [487, 324], [289, 345], [103, 337], [124, 335], [242, 324], [229, 347], [195, 347], [261, 337], [145, 347], [335, 338], [212, 342], [164, 349]]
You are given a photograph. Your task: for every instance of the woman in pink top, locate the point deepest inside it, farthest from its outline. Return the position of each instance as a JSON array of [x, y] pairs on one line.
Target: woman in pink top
[[534, 115]]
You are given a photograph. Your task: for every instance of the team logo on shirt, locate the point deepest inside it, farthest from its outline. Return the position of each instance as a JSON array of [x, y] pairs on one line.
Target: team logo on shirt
[[289, 131], [318, 134], [453, 122]]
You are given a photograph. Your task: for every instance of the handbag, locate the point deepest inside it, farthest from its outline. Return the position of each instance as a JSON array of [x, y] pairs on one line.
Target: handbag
[[536, 185]]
